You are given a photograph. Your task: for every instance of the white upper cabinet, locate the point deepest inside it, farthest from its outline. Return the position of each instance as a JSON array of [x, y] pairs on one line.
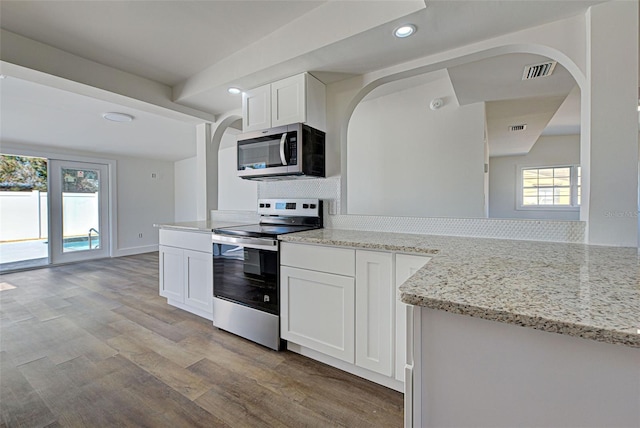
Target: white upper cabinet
[[288, 101], [299, 98], [256, 108]]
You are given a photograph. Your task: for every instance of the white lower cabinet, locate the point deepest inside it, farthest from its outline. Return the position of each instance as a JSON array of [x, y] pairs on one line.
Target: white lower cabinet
[[198, 280], [317, 311], [186, 271], [171, 273], [339, 306], [374, 311], [406, 266]]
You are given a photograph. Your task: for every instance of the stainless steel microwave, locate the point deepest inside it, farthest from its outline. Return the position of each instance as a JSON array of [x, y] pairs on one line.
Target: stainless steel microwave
[[285, 152]]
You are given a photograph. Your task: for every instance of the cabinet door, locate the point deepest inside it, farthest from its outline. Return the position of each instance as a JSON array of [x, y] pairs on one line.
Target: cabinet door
[[171, 273], [256, 109], [375, 301], [198, 280], [317, 311], [288, 101], [406, 266]]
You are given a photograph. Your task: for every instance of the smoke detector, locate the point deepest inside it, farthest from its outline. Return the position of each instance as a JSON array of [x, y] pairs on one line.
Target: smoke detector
[[117, 117], [539, 70], [436, 103]]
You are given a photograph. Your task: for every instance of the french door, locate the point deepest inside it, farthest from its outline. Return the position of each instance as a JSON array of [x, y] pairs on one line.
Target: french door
[[79, 211]]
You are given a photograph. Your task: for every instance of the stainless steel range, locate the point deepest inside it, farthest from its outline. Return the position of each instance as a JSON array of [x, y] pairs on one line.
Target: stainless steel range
[[246, 285]]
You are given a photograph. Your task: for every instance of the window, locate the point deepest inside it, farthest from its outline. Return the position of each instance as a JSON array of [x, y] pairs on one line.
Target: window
[[556, 187]]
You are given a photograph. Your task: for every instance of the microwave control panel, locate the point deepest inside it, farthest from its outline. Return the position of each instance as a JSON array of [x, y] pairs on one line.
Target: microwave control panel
[[293, 150]]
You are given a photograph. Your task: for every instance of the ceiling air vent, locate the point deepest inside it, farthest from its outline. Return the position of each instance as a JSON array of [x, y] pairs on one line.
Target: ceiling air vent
[[514, 128], [538, 70]]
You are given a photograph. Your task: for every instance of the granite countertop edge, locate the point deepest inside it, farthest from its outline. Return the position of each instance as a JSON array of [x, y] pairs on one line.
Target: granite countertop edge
[[523, 320], [463, 266], [297, 238]]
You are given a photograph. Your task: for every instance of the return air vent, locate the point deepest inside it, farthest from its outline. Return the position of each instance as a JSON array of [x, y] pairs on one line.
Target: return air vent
[[514, 128], [538, 70]]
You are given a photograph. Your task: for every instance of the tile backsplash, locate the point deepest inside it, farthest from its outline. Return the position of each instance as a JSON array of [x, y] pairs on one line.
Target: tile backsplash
[[327, 189], [530, 230]]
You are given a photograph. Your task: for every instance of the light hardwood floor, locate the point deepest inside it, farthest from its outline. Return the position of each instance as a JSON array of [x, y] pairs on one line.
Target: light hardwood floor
[[92, 344]]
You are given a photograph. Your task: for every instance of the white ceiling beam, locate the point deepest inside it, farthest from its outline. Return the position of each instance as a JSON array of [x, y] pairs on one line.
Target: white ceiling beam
[[323, 26], [40, 63]]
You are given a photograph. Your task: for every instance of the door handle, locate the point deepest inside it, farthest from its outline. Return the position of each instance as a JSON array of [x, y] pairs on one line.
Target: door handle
[[283, 140]]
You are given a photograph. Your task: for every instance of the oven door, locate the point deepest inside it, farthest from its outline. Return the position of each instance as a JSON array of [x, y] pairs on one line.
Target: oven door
[[245, 272]]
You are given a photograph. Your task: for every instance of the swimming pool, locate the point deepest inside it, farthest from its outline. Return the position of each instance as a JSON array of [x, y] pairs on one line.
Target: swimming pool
[[79, 244]]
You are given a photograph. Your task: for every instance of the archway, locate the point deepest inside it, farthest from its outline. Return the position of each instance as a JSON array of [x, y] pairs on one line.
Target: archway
[[368, 87]]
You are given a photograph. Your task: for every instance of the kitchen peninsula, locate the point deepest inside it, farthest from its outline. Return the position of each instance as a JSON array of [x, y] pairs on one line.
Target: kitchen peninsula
[[514, 333]]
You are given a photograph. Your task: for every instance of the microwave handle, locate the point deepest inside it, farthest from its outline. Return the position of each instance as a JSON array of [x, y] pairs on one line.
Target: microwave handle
[[283, 141]]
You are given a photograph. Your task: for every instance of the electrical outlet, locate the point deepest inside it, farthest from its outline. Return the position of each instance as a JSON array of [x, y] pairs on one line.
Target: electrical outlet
[[139, 235], [332, 208]]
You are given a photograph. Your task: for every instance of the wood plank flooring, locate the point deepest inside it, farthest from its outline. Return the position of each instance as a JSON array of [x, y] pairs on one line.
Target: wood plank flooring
[[93, 345]]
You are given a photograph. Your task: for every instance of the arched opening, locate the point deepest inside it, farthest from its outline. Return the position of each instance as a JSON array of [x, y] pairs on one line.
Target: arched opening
[[437, 155], [234, 193]]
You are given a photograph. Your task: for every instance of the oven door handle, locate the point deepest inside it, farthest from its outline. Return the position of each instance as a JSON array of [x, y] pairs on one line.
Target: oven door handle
[[257, 243]]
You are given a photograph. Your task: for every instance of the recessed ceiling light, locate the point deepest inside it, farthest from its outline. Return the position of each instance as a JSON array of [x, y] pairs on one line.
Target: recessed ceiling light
[[234, 91], [118, 117], [404, 31]]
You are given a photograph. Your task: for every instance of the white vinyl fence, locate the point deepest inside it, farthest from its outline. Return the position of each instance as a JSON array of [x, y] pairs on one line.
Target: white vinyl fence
[[23, 215]]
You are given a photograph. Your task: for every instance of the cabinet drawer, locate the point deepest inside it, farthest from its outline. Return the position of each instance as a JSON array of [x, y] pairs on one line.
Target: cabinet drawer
[[197, 241], [340, 261]]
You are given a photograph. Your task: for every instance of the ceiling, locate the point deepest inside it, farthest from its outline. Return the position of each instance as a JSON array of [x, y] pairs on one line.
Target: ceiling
[[510, 100], [199, 48], [34, 113]]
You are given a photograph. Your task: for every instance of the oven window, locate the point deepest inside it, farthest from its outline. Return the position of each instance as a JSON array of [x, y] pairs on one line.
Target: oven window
[[246, 276]]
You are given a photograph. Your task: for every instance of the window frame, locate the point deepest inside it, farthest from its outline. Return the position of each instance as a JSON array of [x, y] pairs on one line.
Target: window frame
[[573, 189]]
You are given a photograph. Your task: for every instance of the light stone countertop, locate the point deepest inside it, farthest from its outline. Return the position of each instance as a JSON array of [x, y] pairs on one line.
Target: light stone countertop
[[198, 226], [580, 290]]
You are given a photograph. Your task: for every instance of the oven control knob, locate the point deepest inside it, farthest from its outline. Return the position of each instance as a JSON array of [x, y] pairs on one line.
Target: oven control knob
[[261, 205], [313, 206], [305, 205]]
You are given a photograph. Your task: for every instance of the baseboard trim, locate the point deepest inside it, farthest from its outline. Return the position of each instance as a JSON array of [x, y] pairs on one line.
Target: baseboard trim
[[389, 382], [135, 250]]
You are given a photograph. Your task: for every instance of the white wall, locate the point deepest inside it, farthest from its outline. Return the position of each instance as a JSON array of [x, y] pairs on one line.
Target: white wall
[[185, 176], [405, 159], [503, 176], [610, 125], [233, 193], [142, 202]]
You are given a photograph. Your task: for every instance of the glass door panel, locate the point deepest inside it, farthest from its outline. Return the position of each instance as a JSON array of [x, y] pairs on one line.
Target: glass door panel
[[79, 211], [23, 212]]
